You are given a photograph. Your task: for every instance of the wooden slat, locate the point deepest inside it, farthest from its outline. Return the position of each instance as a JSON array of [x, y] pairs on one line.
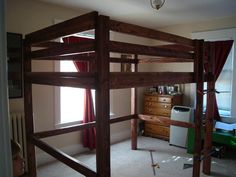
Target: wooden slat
[[164, 120], [75, 57], [74, 25], [164, 60], [84, 46], [149, 33], [147, 50], [64, 130], [79, 127], [177, 47], [122, 60], [142, 79], [198, 71], [66, 159], [70, 79], [103, 153], [48, 44]]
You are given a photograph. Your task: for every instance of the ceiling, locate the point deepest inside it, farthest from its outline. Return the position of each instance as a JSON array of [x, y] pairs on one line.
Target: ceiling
[[141, 13]]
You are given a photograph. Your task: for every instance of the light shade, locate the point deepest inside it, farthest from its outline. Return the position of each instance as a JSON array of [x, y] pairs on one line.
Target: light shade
[[157, 4]]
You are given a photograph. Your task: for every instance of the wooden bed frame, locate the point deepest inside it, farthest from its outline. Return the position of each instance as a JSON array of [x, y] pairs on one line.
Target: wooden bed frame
[[180, 50]]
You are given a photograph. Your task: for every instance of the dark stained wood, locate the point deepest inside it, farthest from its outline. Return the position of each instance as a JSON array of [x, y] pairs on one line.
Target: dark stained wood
[[123, 60], [198, 71], [75, 57], [70, 79], [66, 159], [164, 60], [147, 50], [29, 121], [164, 120], [149, 33], [123, 118], [129, 79], [134, 122], [84, 46], [177, 47], [48, 44], [102, 98], [75, 25], [79, 127], [64, 130], [210, 116]]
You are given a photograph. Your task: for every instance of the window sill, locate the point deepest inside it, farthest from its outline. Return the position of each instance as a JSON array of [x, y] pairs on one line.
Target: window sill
[[63, 125]]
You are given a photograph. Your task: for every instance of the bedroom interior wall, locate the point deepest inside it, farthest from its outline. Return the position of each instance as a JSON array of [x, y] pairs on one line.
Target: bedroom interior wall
[[25, 16]]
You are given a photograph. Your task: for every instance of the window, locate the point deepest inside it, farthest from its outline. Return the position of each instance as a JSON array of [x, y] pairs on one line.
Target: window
[[225, 84], [71, 99]]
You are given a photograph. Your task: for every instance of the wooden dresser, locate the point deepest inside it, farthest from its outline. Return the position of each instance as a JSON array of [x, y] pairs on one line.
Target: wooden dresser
[[159, 105]]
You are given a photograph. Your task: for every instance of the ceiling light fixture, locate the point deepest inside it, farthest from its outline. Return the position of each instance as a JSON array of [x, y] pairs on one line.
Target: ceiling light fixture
[[157, 4]]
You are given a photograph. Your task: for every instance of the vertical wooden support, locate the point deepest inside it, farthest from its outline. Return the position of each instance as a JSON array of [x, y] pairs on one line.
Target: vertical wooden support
[[198, 71], [29, 122], [210, 113], [134, 122], [102, 97]]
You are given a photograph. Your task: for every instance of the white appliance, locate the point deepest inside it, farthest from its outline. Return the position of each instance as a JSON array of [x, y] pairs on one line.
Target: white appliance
[[178, 135]]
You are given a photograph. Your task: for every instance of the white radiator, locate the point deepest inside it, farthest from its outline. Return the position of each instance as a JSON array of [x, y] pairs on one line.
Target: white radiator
[[18, 133]]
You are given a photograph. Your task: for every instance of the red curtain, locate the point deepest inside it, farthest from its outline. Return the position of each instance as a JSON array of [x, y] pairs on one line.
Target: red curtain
[[222, 49], [89, 135]]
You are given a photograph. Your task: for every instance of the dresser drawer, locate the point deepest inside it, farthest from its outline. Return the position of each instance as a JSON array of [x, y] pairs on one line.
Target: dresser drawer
[[159, 130], [157, 105], [159, 98], [157, 111]]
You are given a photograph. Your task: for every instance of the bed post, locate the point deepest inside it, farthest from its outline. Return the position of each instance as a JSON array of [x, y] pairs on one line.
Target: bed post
[[210, 114], [134, 123], [29, 121], [198, 71], [102, 97]]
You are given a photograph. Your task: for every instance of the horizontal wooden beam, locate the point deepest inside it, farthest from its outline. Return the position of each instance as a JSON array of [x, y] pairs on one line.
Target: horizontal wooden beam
[[147, 50], [48, 44], [145, 79], [165, 60], [74, 25], [123, 60], [164, 120], [64, 158], [83, 46], [177, 47], [148, 33], [79, 127], [74, 57], [123, 118], [65, 130], [70, 79]]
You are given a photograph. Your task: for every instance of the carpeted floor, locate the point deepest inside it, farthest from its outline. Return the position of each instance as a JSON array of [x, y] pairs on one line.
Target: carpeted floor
[[128, 163]]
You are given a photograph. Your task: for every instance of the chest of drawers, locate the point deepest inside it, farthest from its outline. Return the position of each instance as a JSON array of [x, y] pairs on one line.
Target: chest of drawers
[[159, 105]]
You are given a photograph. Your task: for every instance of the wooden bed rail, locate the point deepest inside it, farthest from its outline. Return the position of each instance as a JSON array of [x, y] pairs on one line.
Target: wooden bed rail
[[85, 46], [74, 25], [142, 79], [166, 121], [148, 33], [66, 159], [123, 47], [70, 79], [79, 127]]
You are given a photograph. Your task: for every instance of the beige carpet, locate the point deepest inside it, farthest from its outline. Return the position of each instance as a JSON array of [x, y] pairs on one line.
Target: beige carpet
[[128, 163]]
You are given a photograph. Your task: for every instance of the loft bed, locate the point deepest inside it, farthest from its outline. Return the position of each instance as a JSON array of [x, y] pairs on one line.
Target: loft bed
[[102, 80]]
